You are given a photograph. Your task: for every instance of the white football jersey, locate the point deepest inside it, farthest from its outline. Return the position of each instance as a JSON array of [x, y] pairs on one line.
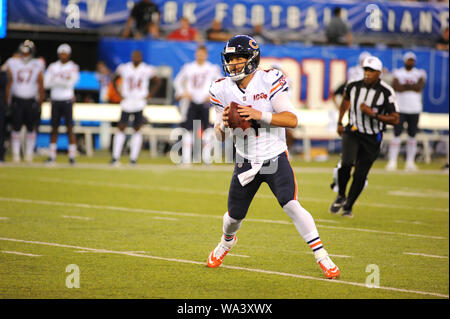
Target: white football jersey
[[135, 85], [196, 79], [25, 75], [61, 78], [409, 102], [268, 141], [355, 73]]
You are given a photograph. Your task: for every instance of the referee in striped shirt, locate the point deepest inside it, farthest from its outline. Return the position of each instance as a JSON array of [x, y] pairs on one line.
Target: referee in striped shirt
[[371, 104]]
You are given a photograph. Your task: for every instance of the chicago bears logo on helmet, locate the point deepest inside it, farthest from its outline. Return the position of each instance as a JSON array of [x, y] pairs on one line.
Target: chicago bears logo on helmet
[[240, 46], [253, 44]]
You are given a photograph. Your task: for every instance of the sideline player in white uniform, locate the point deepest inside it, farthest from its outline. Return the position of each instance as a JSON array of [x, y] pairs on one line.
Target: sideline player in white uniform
[[262, 154], [192, 88], [136, 76], [356, 72], [61, 77], [26, 93], [409, 82]]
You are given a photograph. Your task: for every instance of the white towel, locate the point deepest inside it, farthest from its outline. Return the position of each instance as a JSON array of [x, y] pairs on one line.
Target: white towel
[[247, 176]]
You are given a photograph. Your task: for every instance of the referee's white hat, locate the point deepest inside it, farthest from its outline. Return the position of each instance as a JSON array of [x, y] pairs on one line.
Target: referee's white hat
[[373, 63], [409, 55], [64, 48]]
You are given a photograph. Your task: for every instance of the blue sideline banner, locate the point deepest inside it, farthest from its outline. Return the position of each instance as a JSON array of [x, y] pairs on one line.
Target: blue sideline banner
[[408, 18], [313, 71]]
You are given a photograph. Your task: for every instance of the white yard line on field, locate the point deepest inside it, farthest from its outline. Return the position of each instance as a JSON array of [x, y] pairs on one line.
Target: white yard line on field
[[426, 255], [202, 263], [4, 218], [212, 192], [434, 194], [331, 255], [165, 218], [326, 220], [102, 251], [409, 222], [76, 217], [158, 212], [236, 255], [19, 253], [224, 167]]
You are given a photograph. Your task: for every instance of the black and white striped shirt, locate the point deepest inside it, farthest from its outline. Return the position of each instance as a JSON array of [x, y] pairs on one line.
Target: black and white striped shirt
[[380, 97]]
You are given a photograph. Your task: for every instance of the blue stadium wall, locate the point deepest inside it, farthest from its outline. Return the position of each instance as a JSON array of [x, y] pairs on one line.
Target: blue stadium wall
[[174, 54]]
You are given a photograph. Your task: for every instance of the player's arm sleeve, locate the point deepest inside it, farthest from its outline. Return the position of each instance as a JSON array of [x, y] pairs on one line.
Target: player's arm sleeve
[[277, 83], [48, 78], [179, 82], [73, 77], [216, 101], [282, 103]]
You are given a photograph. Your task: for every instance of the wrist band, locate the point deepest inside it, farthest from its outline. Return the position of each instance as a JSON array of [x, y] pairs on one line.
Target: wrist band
[[266, 117], [340, 124]]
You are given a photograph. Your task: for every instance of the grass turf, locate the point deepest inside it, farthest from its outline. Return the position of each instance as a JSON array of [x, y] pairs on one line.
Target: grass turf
[[146, 232]]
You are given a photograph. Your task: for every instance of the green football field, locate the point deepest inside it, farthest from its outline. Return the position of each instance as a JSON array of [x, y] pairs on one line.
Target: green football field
[[93, 231]]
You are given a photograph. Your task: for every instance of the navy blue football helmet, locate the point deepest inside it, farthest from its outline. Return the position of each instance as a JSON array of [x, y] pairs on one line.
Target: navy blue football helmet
[[241, 46]]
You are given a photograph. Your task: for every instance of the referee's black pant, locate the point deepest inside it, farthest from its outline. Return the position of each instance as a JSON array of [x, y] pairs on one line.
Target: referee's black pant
[[359, 150]]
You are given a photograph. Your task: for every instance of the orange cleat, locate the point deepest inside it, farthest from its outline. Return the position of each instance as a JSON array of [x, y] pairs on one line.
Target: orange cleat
[[218, 254], [330, 270]]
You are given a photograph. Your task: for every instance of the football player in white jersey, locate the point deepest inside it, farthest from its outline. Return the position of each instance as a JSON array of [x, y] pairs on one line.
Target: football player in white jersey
[[134, 90], [25, 92], [408, 83], [356, 72], [192, 89], [61, 77], [262, 152]]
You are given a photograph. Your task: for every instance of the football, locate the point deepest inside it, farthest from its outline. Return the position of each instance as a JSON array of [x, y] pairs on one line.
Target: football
[[235, 120]]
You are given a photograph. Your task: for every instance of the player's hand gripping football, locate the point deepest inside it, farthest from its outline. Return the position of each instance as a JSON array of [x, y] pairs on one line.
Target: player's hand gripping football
[[249, 113]]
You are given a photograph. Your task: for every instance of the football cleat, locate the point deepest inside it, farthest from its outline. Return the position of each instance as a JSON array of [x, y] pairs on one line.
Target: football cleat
[[347, 213], [218, 254], [114, 162], [72, 161], [50, 161], [391, 166], [411, 167], [337, 204], [330, 270]]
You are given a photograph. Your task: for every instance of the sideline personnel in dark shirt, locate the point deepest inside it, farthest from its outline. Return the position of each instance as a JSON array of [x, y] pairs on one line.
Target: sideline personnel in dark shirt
[[145, 16]]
